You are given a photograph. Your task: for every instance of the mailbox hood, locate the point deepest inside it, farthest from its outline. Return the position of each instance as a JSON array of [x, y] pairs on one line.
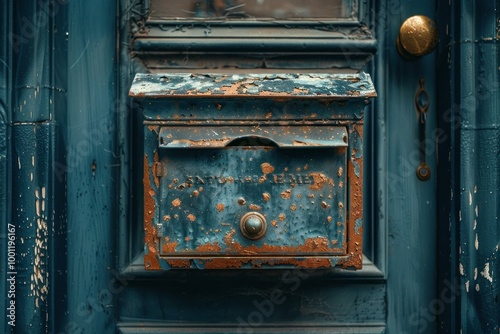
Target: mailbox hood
[[180, 85]]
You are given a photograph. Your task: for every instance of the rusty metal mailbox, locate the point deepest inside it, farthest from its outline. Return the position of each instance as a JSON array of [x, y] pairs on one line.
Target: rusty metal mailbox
[[252, 171]]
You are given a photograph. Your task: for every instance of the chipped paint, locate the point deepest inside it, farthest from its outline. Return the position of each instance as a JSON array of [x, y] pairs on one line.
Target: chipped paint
[[39, 276], [486, 272], [317, 86]]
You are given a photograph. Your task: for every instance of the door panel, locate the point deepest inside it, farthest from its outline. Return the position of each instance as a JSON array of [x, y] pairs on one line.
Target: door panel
[[97, 280]]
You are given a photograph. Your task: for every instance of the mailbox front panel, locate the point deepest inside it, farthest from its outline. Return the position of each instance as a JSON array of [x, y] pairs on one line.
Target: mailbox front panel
[[205, 193], [222, 194]]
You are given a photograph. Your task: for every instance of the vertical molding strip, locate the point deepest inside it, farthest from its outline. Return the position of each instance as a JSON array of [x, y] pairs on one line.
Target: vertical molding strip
[[478, 79]]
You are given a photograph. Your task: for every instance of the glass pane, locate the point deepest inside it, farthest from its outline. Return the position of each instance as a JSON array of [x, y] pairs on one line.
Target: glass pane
[[253, 9]]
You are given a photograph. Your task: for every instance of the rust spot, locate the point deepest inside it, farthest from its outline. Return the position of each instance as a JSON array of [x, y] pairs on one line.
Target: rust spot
[[286, 194], [320, 180], [254, 207], [166, 218], [169, 247], [200, 189], [325, 205], [262, 179], [266, 197], [154, 170], [196, 193], [341, 184], [293, 207], [310, 196], [220, 207], [176, 202], [267, 168], [299, 196], [223, 263], [178, 263], [306, 167], [176, 216], [150, 257], [209, 248], [355, 212], [329, 219], [334, 242], [269, 115], [300, 91], [154, 128], [339, 223], [341, 205], [274, 223], [191, 217], [340, 172], [241, 201], [281, 216]]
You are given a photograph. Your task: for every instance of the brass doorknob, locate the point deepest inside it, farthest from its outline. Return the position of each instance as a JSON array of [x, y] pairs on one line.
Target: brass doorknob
[[417, 37]]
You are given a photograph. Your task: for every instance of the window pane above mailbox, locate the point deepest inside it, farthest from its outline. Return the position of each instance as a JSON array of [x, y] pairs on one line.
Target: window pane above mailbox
[[252, 171]]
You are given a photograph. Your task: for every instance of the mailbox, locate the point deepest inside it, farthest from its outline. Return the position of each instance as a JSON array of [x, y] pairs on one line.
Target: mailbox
[[252, 171]]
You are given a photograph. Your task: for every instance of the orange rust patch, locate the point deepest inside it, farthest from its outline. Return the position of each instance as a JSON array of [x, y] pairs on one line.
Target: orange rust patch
[[209, 248], [262, 179], [282, 216], [267, 168], [341, 205], [254, 207], [274, 223], [266, 196], [176, 202], [196, 193], [293, 207], [310, 196], [341, 184], [325, 205], [340, 172], [286, 194], [241, 201], [306, 167], [177, 263], [329, 219], [300, 91], [166, 218], [191, 217], [320, 180], [150, 259], [220, 207], [224, 263], [154, 128], [154, 168], [169, 247]]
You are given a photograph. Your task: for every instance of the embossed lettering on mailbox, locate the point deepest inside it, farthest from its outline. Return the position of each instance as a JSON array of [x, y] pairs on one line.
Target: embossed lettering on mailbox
[[252, 171]]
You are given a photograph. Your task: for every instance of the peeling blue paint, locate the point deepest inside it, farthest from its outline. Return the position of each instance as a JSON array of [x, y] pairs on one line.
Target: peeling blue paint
[[358, 225]]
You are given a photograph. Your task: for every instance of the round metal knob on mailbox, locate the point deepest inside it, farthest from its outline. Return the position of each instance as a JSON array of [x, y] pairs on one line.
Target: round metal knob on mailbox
[[417, 37], [253, 225]]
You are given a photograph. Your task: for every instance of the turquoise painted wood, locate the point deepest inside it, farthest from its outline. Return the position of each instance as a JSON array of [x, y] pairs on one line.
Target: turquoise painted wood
[[66, 126]]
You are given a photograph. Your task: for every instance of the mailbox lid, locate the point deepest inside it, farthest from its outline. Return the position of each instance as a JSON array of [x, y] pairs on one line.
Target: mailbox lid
[[180, 97], [317, 86]]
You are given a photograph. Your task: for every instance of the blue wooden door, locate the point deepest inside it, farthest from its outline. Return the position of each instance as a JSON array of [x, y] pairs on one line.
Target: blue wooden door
[[71, 182]]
